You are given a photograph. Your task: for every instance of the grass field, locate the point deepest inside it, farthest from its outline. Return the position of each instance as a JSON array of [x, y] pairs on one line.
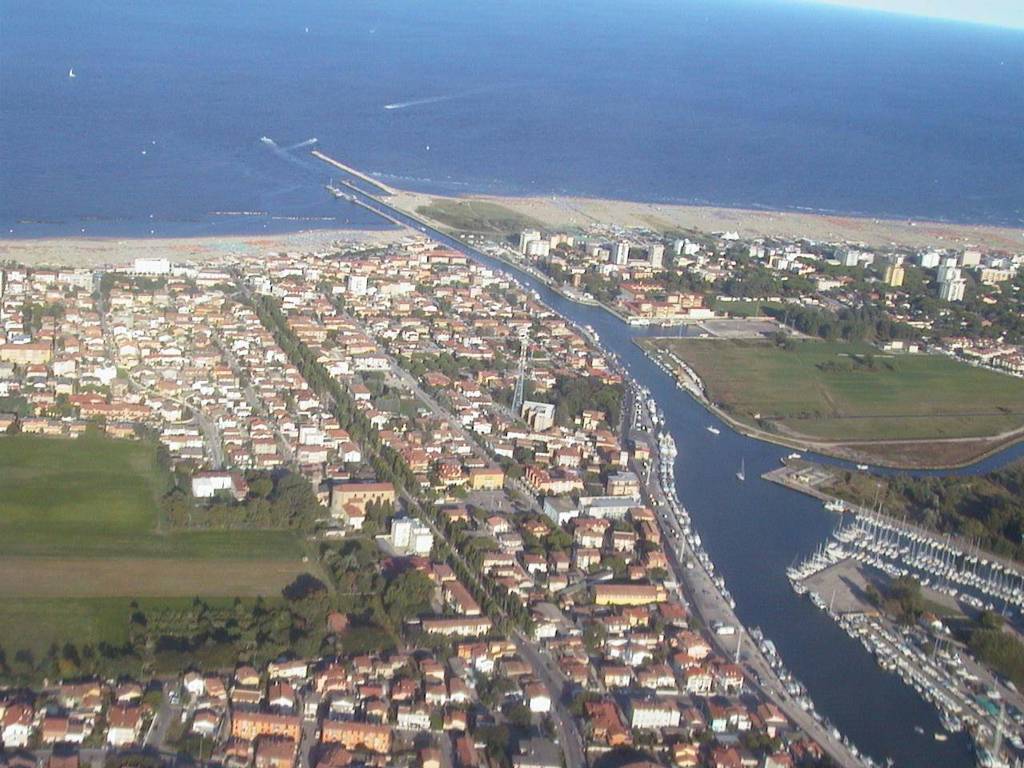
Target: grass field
[[843, 392], [740, 308], [477, 216], [95, 497], [140, 577], [35, 623], [79, 538]]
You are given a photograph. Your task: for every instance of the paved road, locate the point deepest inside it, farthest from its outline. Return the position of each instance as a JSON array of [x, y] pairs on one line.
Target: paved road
[[309, 728], [568, 734], [211, 434], [165, 715], [255, 401]]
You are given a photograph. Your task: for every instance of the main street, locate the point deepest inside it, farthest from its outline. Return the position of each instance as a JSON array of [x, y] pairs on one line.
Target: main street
[[255, 402], [568, 733]]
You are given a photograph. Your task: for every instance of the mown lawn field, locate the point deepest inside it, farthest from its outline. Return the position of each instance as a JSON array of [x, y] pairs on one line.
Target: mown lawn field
[[97, 498], [55, 577], [750, 308], [80, 538], [847, 392], [35, 624], [32, 623]]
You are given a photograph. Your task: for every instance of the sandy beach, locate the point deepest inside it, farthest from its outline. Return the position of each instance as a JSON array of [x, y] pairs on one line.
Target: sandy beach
[[96, 252], [569, 213], [577, 212]]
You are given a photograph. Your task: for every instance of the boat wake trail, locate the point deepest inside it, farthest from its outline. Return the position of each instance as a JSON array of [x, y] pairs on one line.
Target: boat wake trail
[[301, 144], [433, 99], [285, 153]]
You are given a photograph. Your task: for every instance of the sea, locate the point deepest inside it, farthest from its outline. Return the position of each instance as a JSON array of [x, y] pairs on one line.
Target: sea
[[196, 118]]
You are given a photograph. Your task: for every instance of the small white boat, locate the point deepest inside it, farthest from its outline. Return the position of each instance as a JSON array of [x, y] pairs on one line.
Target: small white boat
[[742, 474], [863, 467], [714, 430], [71, 73]]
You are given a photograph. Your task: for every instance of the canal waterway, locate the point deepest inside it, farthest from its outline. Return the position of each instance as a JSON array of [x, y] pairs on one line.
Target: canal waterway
[[753, 531]]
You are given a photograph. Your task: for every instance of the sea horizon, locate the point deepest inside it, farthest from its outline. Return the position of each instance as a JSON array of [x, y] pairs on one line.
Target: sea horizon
[[732, 105]]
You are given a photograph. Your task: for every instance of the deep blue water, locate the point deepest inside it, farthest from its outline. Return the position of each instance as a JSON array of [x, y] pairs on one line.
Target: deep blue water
[[731, 102]]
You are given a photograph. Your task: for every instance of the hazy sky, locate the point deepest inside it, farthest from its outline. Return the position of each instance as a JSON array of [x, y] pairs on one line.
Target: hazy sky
[[1004, 13]]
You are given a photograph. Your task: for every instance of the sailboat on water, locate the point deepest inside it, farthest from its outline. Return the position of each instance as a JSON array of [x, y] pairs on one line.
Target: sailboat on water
[[742, 474], [71, 73]]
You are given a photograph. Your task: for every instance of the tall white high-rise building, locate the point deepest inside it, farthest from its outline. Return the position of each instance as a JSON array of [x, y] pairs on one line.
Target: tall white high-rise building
[[538, 248], [526, 237], [146, 266], [953, 290], [656, 255], [621, 253], [948, 272], [970, 258]]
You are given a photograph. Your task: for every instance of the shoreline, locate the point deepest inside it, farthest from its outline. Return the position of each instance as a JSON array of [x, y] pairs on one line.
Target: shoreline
[[555, 212], [74, 252], [574, 212]]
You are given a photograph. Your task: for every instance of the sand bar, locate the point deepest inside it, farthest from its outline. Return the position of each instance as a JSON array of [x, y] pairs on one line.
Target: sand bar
[[102, 251], [578, 212]]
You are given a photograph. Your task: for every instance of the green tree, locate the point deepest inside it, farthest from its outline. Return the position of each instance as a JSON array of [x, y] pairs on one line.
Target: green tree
[[407, 595]]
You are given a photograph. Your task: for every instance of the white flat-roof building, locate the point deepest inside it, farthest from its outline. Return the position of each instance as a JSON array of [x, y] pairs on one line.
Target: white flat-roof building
[[411, 536], [356, 284], [151, 267]]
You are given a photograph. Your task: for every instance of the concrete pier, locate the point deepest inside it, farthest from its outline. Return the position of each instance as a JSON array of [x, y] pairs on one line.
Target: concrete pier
[[352, 171]]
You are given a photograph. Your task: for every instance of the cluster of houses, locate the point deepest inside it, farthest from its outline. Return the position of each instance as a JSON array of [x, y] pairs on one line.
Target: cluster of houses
[[987, 352], [631, 260], [430, 348], [425, 303], [54, 358], [75, 714], [437, 452], [645, 283], [190, 348], [169, 350]]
